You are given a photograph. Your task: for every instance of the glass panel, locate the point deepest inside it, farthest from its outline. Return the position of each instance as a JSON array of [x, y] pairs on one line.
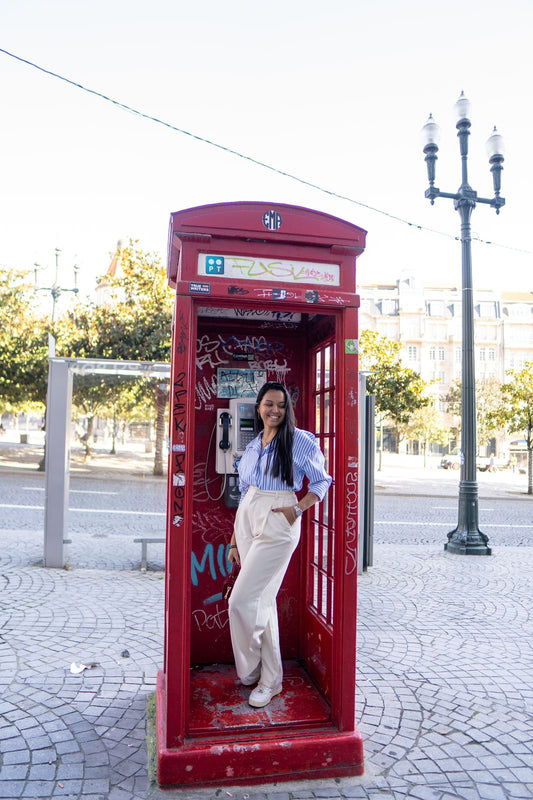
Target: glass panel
[[326, 413], [325, 450], [325, 549], [324, 598], [316, 536], [327, 354], [325, 509], [315, 589], [330, 601], [317, 413], [318, 369]]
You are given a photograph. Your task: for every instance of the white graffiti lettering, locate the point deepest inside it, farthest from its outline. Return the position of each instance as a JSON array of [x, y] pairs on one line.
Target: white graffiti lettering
[[350, 499], [216, 620], [205, 389]]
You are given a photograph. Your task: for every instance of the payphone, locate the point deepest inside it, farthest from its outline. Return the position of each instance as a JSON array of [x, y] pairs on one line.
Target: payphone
[[264, 292], [235, 431]]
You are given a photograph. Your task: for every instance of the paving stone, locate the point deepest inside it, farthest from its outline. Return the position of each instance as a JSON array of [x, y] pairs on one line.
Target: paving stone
[[38, 789]]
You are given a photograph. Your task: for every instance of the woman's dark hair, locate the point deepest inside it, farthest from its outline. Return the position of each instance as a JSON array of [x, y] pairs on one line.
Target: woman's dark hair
[[281, 453]]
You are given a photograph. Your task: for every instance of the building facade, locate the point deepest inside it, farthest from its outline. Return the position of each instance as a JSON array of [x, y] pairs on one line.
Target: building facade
[[425, 318]]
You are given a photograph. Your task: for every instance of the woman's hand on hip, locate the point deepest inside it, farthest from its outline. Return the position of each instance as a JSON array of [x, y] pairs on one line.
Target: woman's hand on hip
[[288, 512]]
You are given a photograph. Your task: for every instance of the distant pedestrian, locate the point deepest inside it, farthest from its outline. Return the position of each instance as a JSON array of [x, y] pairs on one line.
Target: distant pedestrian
[[513, 462]]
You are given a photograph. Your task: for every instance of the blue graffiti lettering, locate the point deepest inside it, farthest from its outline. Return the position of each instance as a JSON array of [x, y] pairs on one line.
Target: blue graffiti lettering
[[208, 557]]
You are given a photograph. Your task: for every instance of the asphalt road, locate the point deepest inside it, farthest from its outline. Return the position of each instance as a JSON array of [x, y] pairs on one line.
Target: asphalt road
[[96, 507], [116, 507], [427, 520]]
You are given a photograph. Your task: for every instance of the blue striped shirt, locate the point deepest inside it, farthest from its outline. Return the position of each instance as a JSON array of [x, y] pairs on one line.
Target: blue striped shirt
[[308, 460]]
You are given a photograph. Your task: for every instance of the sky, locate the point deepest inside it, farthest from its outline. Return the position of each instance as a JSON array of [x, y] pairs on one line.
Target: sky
[[333, 92]]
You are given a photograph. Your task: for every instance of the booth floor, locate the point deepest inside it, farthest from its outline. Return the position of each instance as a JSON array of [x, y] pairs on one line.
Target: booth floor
[[219, 702]]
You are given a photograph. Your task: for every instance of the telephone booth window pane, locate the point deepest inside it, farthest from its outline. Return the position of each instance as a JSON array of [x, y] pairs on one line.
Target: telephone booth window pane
[[325, 449], [317, 412], [325, 549], [324, 597], [327, 353], [330, 601], [326, 413], [318, 369], [316, 537], [325, 509], [315, 588]]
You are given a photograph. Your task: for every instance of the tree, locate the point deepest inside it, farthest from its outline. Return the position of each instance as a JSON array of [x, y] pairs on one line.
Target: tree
[[399, 390], [23, 343], [515, 411], [133, 323], [488, 397], [426, 426]]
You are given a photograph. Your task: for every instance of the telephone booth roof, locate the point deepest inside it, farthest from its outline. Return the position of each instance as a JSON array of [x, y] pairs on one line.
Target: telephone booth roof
[[262, 222]]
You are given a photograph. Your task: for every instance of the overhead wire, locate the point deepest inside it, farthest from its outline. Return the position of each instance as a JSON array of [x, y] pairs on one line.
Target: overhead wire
[[254, 160]]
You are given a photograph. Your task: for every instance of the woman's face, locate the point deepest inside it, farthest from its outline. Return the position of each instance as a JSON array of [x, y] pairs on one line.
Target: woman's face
[[272, 408]]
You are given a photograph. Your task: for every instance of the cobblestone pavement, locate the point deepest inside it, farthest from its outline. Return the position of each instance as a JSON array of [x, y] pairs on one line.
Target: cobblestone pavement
[[445, 668]]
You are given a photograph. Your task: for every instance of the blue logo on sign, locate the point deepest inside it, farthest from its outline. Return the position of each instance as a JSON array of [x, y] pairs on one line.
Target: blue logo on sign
[[214, 265]]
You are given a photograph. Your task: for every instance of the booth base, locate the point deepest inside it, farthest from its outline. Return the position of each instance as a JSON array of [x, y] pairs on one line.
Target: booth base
[[230, 742]]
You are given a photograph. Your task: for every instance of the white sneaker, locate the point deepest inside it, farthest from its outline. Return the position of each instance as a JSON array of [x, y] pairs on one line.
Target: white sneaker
[[262, 695]]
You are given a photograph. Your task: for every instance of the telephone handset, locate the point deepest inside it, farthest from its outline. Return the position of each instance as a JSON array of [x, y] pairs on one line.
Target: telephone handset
[[225, 421]]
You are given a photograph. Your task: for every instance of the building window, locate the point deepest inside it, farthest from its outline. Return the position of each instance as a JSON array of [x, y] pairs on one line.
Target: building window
[[492, 354], [412, 352], [458, 354], [389, 307], [442, 377], [482, 353], [441, 353], [436, 308], [487, 309], [432, 353]]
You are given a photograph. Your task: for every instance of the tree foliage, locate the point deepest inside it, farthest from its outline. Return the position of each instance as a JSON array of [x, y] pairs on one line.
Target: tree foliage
[[23, 343], [132, 323], [488, 397], [399, 390], [515, 411], [426, 426]]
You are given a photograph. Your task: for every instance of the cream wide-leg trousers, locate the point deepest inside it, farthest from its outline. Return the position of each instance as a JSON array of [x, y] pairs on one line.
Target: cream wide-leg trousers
[[266, 543]]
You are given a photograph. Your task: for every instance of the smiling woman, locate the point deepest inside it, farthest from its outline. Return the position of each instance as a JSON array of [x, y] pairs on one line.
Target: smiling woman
[[267, 532]]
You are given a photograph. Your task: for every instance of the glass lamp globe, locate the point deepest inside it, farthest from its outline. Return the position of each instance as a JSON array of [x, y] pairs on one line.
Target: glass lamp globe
[[462, 108]]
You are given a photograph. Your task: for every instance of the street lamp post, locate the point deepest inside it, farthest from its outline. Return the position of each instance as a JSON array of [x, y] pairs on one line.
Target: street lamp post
[[466, 538], [56, 289]]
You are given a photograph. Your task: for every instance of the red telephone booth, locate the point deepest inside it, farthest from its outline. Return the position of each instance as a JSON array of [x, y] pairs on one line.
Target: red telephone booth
[[263, 292]]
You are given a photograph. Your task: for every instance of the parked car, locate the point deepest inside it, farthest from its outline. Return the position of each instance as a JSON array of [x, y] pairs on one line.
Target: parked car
[[451, 461]]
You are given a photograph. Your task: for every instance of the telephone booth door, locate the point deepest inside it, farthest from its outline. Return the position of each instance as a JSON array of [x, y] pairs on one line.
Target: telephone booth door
[[263, 292]]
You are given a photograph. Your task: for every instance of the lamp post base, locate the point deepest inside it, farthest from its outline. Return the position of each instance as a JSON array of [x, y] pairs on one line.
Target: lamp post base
[[462, 543], [467, 539]]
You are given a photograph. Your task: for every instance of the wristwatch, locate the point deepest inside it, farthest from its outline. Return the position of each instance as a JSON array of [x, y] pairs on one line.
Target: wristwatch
[[298, 511]]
